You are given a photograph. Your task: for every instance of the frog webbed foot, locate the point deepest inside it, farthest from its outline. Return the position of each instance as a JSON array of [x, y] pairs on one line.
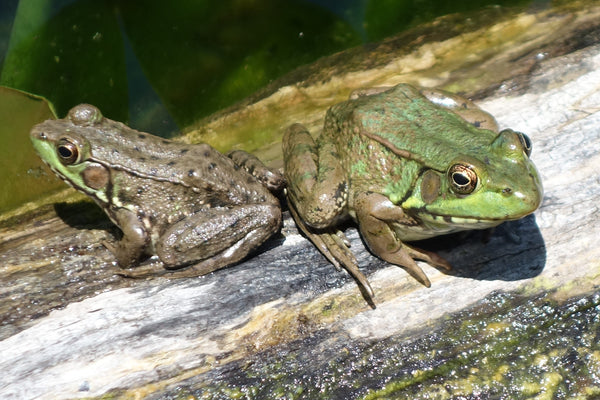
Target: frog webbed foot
[[406, 256], [129, 256], [335, 247], [270, 178]]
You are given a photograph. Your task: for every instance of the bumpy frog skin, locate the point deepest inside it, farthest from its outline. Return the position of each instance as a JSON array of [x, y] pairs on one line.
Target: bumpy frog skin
[[188, 204], [405, 164]]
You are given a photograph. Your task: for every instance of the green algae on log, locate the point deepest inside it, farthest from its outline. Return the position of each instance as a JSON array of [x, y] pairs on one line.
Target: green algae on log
[[508, 346]]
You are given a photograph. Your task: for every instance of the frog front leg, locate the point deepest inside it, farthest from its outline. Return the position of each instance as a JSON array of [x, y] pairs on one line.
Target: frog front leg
[[317, 195], [374, 213], [133, 244], [216, 237]]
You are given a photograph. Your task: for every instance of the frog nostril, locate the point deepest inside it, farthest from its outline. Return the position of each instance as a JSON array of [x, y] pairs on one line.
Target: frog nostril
[[507, 191]]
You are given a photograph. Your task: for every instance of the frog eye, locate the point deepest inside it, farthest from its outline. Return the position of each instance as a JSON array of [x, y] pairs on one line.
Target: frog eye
[[463, 179], [526, 142], [67, 151]]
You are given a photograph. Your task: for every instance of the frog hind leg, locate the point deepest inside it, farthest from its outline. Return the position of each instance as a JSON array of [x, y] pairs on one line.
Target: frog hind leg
[[317, 195], [373, 213], [335, 247], [462, 107], [316, 181], [216, 238]]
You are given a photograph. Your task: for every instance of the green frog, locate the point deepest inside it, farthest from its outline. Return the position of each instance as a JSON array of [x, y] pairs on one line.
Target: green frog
[[406, 164], [188, 204]]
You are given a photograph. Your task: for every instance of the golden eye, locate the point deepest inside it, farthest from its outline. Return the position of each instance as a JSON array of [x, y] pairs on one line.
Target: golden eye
[[463, 179], [67, 151]]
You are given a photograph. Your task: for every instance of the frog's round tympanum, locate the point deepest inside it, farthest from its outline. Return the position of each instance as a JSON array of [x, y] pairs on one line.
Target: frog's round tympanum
[[188, 204], [405, 164]]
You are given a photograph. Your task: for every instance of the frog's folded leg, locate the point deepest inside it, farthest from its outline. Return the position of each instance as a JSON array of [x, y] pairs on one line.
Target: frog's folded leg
[[217, 238], [210, 241]]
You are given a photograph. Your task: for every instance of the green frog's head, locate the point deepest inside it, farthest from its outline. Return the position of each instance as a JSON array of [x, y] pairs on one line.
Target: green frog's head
[[479, 188], [63, 147]]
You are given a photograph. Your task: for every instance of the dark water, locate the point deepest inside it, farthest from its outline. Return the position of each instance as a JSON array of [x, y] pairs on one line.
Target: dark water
[[161, 66]]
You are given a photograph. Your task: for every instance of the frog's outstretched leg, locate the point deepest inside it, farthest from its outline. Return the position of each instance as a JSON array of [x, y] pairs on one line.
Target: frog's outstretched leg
[[318, 193], [374, 212], [334, 247]]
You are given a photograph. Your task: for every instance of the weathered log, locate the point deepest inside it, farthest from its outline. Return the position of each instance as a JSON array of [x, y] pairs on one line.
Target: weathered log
[[285, 323]]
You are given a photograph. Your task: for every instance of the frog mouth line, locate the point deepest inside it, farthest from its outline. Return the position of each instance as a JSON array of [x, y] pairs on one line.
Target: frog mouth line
[[465, 220], [58, 173]]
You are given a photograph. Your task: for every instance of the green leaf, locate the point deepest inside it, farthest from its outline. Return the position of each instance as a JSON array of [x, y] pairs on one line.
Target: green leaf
[[69, 52], [24, 177]]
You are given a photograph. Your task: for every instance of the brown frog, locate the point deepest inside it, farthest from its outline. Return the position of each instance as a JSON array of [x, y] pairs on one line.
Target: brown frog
[[188, 204]]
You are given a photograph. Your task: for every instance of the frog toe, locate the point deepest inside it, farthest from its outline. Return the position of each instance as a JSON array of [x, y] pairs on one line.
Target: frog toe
[[339, 254], [335, 247], [405, 258], [429, 257]]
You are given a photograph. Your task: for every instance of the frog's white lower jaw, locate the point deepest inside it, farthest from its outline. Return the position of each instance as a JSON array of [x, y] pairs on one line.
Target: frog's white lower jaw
[[434, 225], [461, 223]]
